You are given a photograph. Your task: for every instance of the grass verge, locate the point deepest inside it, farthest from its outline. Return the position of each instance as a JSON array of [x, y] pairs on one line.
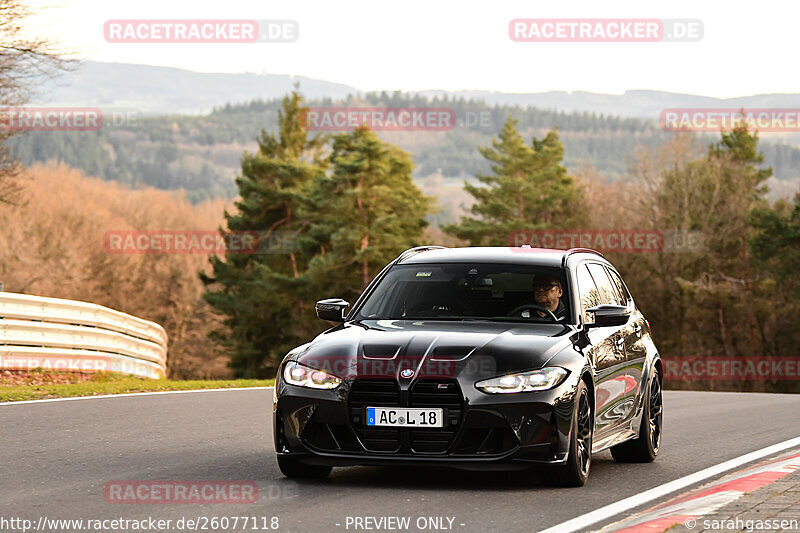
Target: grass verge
[[102, 384]]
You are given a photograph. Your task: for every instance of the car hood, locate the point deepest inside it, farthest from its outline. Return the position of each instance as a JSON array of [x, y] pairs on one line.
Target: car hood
[[422, 349]]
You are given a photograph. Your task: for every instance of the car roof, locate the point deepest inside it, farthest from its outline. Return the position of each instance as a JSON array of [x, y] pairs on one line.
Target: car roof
[[499, 254]]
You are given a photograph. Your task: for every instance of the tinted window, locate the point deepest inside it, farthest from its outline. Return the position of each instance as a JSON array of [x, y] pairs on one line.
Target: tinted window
[[606, 290], [451, 291], [620, 286], [588, 291]]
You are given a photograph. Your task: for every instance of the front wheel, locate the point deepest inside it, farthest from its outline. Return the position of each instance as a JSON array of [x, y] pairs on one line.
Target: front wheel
[[575, 471], [644, 448], [291, 467]]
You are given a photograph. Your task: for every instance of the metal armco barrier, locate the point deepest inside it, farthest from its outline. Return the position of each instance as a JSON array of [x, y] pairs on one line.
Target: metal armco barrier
[[66, 335]]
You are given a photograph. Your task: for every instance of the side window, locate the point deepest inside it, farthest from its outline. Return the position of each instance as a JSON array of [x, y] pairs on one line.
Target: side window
[[588, 291], [620, 286], [606, 290]]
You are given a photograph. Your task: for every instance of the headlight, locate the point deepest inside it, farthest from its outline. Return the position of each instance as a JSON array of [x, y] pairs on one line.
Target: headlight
[[303, 376], [535, 380]]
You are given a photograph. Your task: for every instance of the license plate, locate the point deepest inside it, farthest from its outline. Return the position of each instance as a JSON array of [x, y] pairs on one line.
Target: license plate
[[405, 417]]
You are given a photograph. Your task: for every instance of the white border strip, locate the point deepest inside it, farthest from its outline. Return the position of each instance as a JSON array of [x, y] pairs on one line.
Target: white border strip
[[609, 511], [129, 394]]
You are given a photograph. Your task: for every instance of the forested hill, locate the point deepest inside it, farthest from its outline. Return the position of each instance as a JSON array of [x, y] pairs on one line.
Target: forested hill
[[202, 153]]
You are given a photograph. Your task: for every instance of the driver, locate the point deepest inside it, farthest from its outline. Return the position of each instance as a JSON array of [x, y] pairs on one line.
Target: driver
[[547, 293]]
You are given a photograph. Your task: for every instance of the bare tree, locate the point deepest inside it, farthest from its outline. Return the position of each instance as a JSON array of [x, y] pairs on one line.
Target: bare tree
[[24, 63]]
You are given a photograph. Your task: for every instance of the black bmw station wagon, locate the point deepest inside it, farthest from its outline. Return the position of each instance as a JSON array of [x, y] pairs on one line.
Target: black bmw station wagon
[[493, 358]]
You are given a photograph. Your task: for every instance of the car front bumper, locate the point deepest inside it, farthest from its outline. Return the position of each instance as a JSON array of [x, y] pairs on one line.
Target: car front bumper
[[482, 431]]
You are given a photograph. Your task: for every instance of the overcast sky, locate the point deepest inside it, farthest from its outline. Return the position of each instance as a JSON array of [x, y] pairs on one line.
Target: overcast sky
[[440, 44]]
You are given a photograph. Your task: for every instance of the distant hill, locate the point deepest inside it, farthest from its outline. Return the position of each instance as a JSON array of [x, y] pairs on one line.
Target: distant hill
[[639, 103], [202, 153], [153, 90], [161, 90], [191, 128]]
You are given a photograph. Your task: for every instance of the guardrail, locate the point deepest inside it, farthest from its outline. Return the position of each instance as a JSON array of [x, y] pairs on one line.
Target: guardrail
[[66, 335]]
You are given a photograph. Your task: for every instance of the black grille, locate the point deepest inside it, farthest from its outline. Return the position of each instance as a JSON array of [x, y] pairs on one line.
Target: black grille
[[444, 394], [374, 393], [436, 393]]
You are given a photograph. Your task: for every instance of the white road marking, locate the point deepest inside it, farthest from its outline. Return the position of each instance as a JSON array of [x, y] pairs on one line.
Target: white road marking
[[609, 511], [128, 395], [703, 501]]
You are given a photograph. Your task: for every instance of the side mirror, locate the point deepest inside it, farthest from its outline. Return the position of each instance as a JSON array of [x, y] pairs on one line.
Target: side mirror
[[608, 315], [331, 309]]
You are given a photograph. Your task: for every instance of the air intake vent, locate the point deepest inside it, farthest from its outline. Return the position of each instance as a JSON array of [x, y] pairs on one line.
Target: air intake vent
[[452, 353], [380, 351]]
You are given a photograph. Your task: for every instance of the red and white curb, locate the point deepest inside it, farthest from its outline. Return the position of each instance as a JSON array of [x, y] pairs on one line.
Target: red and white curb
[[685, 509], [660, 492]]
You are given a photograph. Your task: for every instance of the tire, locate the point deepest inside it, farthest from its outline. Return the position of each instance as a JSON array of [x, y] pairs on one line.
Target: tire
[[292, 468], [575, 471], [644, 448]]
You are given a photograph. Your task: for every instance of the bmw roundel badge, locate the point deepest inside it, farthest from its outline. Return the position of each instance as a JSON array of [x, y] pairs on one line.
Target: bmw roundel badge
[[407, 373]]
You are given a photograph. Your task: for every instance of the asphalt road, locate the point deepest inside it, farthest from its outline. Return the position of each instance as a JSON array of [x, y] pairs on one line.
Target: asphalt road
[[55, 459]]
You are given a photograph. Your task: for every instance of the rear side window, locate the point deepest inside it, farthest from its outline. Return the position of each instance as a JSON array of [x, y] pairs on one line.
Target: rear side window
[[620, 286], [606, 290], [588, 291]]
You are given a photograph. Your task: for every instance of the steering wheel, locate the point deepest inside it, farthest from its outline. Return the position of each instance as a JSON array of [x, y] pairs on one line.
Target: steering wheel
[[523, 307]]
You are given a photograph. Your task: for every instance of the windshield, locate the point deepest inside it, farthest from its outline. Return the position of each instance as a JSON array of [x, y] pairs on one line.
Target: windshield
[[452, 291]]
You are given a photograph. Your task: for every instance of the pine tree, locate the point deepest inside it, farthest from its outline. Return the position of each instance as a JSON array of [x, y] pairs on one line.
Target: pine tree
[[372, 212], [528, 189], [258, 293], [776, 244]]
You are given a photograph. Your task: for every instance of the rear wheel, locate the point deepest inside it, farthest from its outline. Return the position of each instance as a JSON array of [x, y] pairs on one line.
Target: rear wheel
[[291, 467], [575, 471], [644, 448]]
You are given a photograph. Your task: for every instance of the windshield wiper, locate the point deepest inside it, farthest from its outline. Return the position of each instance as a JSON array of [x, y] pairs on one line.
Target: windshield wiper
[[521, 320], [410, 318]]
